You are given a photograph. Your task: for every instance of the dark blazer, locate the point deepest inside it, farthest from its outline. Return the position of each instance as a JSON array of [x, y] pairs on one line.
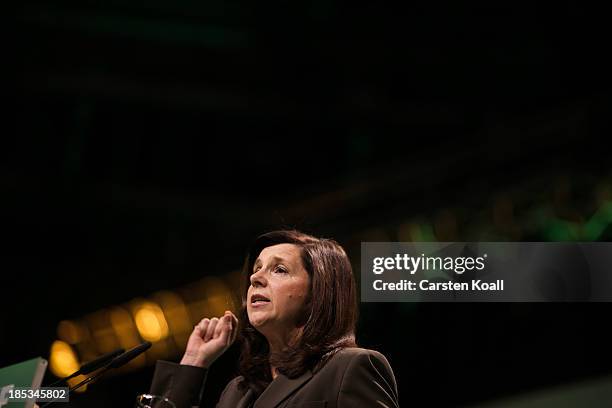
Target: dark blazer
[[352, 378]]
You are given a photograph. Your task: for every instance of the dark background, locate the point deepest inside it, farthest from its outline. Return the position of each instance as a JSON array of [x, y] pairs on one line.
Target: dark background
[[147, 143]]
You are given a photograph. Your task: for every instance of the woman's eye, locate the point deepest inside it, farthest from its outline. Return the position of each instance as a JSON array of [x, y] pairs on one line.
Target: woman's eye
[[280, 269]]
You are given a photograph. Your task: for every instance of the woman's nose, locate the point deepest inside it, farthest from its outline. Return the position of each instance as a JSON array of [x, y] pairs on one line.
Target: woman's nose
[[257, 279]]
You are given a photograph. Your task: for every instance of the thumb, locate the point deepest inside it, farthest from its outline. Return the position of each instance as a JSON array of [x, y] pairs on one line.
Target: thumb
[[234, 326]]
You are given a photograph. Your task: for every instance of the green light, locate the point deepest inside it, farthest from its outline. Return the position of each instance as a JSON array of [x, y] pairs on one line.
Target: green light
[[598, 222], [559, 230]]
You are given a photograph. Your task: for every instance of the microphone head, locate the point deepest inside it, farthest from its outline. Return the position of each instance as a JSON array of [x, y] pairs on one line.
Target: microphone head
[[129, 355]]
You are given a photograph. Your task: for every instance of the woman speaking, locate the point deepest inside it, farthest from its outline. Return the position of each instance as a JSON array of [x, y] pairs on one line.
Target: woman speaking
[[297, 336]]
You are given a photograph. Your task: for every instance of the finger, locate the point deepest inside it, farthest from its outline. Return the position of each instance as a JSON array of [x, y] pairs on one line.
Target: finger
[[228, 314], [232, 315], [210, 331], [220, 326], [234, 326], [203, 325], [224, 335]]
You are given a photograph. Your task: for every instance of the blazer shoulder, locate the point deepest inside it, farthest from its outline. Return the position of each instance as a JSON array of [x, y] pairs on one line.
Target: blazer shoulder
[[368, 379], [350, 353], [352, 356], [233, 384], [231, 393]]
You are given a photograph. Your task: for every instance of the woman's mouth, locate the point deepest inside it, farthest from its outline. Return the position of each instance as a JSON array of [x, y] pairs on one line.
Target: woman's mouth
[[258, 300]]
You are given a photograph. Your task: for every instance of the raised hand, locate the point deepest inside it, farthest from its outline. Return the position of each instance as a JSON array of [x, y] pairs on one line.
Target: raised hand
[[209, 340]]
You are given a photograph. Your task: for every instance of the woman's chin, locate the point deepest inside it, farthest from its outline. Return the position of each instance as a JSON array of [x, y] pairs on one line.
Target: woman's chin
[[257, 322]]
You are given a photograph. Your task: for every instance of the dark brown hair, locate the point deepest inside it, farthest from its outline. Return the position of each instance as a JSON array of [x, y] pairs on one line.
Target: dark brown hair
[[331, 312]]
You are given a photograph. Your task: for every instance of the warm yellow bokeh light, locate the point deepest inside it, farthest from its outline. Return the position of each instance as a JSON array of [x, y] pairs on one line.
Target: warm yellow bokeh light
[[76, 380], [102, 332], [150, 322], [218, 304], [70, 332], [177, 316], [63, 360], [124, 327], [217, 295]]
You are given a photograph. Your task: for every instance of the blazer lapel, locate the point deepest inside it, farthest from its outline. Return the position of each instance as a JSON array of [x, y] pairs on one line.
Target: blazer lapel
[[279, 389]]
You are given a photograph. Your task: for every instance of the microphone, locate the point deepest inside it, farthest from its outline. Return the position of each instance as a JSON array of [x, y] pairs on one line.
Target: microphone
[[116, 362], [91, 366], [129, 355], [101, 361]]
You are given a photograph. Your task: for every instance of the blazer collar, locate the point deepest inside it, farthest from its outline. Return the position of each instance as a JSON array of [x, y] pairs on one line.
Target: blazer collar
[[279, 389]]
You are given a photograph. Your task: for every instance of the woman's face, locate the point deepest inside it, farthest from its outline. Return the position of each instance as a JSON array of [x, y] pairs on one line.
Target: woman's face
[[279, 290]]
